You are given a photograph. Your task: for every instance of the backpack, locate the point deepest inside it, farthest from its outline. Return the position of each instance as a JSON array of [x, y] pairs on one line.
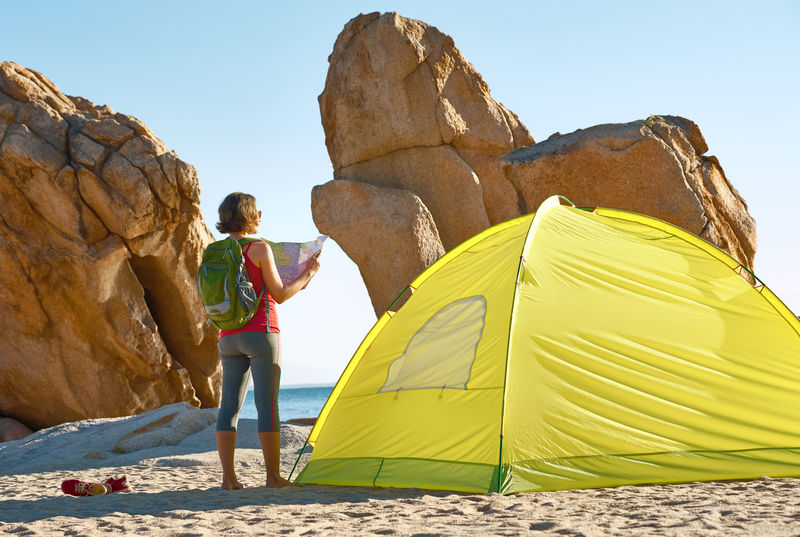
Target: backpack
[[225, 289]]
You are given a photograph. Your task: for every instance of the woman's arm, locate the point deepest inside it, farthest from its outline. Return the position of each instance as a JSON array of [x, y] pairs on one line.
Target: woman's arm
[[261, 255]]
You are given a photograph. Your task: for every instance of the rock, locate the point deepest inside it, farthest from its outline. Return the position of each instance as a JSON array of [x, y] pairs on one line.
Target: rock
[[387, 232], [654, 167], [303, 421], [445, 183], [102, 236], [11, 429], [400, 96], [402, 108], [175, 435], [108, 132], [731, 227], [178, 422]]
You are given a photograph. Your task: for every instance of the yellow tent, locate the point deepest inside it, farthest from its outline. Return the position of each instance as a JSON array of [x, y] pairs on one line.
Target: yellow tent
[[570, 349]]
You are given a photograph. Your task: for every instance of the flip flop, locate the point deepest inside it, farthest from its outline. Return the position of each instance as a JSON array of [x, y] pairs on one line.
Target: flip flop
[[76, 487]]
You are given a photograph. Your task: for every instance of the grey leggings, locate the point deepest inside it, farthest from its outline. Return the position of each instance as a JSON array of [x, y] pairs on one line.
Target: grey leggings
[[241, 353]]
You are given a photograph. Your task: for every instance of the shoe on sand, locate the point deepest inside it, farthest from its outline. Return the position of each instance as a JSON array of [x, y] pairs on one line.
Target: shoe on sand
[[119, 484], [75, 487]]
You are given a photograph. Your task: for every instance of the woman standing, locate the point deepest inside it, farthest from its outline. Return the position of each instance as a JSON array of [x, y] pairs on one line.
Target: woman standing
[[254, 347]]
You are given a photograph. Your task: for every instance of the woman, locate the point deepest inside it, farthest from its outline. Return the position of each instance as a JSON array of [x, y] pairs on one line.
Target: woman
[[254, 347]]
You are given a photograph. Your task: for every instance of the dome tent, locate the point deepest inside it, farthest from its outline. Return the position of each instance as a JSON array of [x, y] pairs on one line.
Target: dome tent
[[569, 349]]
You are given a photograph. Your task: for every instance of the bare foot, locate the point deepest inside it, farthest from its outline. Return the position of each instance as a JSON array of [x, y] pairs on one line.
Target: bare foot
[[278, 482], [235, 485]]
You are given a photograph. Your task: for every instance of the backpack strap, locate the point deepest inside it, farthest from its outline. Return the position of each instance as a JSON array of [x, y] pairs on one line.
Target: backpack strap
[[263, 289]]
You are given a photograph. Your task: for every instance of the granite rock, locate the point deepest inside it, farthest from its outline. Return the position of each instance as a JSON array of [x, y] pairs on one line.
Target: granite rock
[[102, 236], [388, 232], [403, 108], [654, 167]]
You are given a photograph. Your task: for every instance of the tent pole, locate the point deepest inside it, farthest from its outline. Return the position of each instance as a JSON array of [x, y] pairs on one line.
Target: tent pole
[[508, 356], [398, 297], [500, 465], [298, 460], [512, 313]]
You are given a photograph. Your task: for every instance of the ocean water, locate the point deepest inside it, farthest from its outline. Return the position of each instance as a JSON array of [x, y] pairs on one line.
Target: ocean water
[[293, 402]]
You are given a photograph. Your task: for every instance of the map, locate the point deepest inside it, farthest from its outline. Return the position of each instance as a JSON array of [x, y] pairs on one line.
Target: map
[[291, 257]]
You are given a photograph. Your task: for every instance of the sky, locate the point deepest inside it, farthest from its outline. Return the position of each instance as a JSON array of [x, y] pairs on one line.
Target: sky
[[232, 88]]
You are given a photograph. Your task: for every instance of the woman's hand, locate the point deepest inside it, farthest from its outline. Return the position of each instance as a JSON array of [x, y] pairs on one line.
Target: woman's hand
[[312, 265], [261, 255]]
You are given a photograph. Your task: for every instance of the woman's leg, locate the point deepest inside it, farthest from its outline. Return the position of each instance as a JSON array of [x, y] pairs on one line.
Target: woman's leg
[[271, 449], [266, 382], [235, 376], [226, 447]]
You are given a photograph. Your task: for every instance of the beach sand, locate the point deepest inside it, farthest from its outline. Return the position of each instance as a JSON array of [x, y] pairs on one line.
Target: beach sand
[[169, 457]]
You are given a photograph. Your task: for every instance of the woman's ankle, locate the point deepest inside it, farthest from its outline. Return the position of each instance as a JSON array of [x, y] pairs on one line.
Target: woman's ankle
[[276, 481], [231, 484]]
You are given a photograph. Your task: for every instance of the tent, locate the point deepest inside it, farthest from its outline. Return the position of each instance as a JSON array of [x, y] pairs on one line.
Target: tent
[[573, 348]]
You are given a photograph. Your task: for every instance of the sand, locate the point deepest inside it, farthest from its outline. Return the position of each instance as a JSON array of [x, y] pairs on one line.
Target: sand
[[169, 457]]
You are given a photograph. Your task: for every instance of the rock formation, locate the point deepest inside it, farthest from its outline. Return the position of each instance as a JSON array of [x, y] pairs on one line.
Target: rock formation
[[102, 236], [654, 167], [171, 436], [400, 93], [403, 109], [11, 429], [408, 242]]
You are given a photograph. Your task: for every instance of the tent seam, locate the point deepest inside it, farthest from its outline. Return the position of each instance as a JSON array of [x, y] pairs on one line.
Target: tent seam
[[525, 245]]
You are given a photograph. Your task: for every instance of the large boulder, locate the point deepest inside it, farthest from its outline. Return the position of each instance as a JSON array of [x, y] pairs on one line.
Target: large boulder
[[396, 84], [402, 108], [102, 236], [388, 231], [655, 167]]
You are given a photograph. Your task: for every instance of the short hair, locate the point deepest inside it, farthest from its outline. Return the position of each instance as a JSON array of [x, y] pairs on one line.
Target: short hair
[[238, 213]]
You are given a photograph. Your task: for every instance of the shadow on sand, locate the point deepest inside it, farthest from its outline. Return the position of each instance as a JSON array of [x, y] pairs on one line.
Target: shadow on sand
[[198, 500]]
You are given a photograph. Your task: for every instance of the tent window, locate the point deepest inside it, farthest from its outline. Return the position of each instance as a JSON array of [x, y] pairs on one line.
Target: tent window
[[441, 353]]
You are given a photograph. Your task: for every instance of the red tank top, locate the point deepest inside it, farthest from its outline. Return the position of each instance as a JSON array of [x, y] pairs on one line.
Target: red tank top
[[259, 321]]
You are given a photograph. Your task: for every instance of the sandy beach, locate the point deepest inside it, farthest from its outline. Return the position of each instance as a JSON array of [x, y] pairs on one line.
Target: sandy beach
[[169, 457]]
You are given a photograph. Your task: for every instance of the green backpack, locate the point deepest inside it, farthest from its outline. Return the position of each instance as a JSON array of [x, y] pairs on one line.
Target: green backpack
[[225, 289]]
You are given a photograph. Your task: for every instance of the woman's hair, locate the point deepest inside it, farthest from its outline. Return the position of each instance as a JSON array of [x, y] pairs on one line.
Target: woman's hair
[[238, 213]]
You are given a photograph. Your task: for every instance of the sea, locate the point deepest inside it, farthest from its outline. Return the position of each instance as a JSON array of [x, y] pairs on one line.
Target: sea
[[293, 402]]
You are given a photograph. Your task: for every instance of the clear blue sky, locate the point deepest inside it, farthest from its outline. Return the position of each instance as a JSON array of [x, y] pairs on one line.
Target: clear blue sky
[[232, 87]]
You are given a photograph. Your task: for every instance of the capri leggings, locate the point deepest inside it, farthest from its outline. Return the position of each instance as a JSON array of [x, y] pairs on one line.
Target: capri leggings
[[240, 354]]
